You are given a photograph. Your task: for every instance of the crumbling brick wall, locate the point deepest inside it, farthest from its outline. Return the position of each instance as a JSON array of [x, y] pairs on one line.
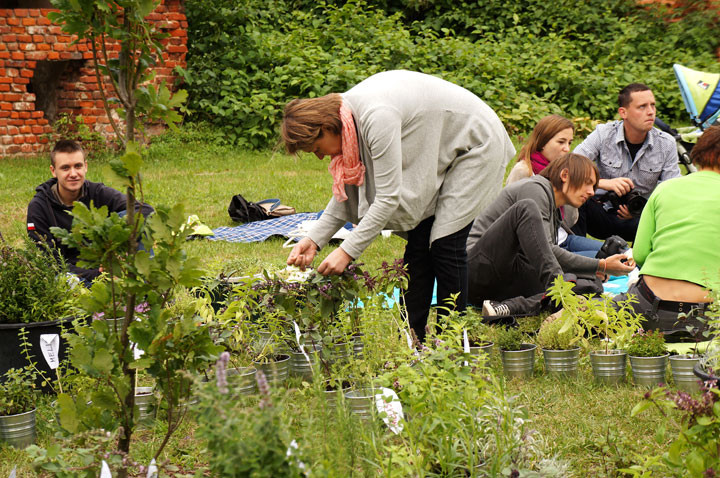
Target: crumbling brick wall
[[43, 75]]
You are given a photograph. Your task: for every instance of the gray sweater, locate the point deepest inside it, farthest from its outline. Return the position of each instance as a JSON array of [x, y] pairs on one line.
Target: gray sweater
[[430, 148], [540, 190]]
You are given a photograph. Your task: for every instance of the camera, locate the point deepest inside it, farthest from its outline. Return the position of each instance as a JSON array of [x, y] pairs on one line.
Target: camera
[[634, 201]]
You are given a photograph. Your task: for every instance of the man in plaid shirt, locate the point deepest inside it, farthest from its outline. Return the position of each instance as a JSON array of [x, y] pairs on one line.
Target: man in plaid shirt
[[630, 154]]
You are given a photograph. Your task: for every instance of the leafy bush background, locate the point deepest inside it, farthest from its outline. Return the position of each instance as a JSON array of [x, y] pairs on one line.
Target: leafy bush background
[[526, 59]]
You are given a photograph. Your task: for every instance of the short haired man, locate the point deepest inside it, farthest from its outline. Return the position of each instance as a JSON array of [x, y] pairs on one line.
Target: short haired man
[[513, 255], [630, 155], [53, 201]]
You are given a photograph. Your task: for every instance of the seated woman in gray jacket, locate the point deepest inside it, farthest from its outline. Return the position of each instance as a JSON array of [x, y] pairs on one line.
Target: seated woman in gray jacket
[[412, 153], [513, 255]]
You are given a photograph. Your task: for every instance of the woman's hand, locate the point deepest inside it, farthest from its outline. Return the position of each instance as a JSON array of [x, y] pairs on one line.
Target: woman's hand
[[303, 253], [335, 263], [614, 266]]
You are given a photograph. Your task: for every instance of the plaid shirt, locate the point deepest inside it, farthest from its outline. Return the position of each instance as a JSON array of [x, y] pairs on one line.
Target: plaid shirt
[[656, 161]]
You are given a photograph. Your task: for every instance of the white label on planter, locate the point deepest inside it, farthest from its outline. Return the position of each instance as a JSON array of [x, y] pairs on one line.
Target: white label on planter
[[409, 340], [13, 472], [388, 402], [466, 344], [152, 471], [105, 470], [297, 337], [50, 346]]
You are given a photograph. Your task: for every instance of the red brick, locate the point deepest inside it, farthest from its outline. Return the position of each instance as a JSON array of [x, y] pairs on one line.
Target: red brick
[[30, 139], [15, 118], [25, 38], [43, 47], [56, 30], [17, 55], [61, 37], [44, 11], [177, 48], [24, 114], [34, 12], [3, 122], [12, 46], [43, 139], [21, 12], [36, 55], [5, 114], [37, 114], [13, 130], [13, 21], [23, 106], [18, 140], [31, 122], [11, 97], [37, 129], [28, 46], [22, 81], [11, 72], [57, 46], [26, 148], [90, 119], [4, 87], [30, 97], [26, 73], [82, 47], [87, 55], [30, 64], [18, 30], [6, 80], [25, 129], [43, 121], [179, 33], [38, 38], [53, 55], [14, 149], [28, 21], [44, 21], [6, 139]]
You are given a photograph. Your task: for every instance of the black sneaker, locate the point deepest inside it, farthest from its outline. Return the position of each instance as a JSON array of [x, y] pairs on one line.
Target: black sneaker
[[495, 309]]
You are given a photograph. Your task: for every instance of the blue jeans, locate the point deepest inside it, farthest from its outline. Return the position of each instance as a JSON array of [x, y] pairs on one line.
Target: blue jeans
[[582, 245]]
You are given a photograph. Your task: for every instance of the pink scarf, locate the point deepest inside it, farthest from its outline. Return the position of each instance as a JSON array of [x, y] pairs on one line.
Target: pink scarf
[[346, 168], [538, 162]]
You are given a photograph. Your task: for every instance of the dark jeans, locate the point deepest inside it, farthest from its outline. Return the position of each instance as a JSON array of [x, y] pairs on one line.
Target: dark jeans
[[664, 315], [512, 261], [446, 261], [593, 219]]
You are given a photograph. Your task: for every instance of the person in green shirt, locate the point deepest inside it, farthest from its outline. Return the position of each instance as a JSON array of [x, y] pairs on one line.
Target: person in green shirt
[[676, 244]]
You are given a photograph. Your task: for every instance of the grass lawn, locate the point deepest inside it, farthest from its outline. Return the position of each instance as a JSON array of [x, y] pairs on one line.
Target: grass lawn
[[588, 425]]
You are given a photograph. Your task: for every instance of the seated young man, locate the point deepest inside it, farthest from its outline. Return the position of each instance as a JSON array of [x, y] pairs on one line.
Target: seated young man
[[512, 248], [53, 202], [676, 244]]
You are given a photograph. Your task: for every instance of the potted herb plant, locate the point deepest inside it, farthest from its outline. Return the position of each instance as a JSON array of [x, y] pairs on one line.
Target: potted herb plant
[[648, 357], [518, 358], [17, 407], [599, 317], [35, 295], [478, 334], [559, 346], [683, 365]]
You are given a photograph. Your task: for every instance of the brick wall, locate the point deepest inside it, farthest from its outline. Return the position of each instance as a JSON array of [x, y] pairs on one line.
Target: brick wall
[[42, 75]]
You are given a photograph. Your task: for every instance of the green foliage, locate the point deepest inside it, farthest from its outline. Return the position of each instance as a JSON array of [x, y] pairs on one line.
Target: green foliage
[[17, 391], [646, 344], [590, 317], [525, 59], [695, 451], [509, 338], [552, 336], [245, 440], [34, 285]]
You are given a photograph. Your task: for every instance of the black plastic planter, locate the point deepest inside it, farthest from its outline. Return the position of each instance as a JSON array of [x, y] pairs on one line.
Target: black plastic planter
[[704, 375], [11, 354]]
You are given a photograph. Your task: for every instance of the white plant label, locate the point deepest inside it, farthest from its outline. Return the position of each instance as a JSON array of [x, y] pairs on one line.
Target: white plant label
[[152, 471], [137, 352], [297, 337], [409, 340], [105, 470], [50, 346], [388, 402], [466, 344], [13, 472]]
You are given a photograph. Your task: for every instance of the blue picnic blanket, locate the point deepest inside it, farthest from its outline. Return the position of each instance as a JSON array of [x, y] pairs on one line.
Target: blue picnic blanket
[[259, 231]]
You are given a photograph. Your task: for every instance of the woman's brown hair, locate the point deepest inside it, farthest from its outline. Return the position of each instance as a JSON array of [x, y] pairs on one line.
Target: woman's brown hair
[[581, 171], [543, 132], [305, 120], [706, 153]]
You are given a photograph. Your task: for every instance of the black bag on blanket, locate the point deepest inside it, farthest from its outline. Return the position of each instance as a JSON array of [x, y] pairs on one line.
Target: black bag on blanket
[[242, 210]]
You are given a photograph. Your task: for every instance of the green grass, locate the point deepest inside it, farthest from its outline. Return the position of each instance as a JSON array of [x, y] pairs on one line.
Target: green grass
[[586, 424]]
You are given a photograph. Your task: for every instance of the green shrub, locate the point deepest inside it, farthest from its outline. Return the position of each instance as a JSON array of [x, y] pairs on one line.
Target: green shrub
[[550, 336], [509, 338], [33, 286], [647, 344], [525, 59], [17, 391]]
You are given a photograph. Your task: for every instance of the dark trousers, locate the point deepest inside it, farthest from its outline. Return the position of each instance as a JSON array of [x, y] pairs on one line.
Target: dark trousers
[[593, 219], [444, 260], [670, 317], [513, 261]]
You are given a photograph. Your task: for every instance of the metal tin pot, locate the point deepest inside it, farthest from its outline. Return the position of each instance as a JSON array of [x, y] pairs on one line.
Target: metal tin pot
[[561, 363], [648, 371], [682, 371], [361, 402], [145, 402], [609, 368], [18, 430], [242, 380], [276, 370], [300, 366], [519, 363]]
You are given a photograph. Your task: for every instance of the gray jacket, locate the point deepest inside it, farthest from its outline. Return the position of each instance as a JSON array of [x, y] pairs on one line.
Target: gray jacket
[[430, 148], [540, 190]]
